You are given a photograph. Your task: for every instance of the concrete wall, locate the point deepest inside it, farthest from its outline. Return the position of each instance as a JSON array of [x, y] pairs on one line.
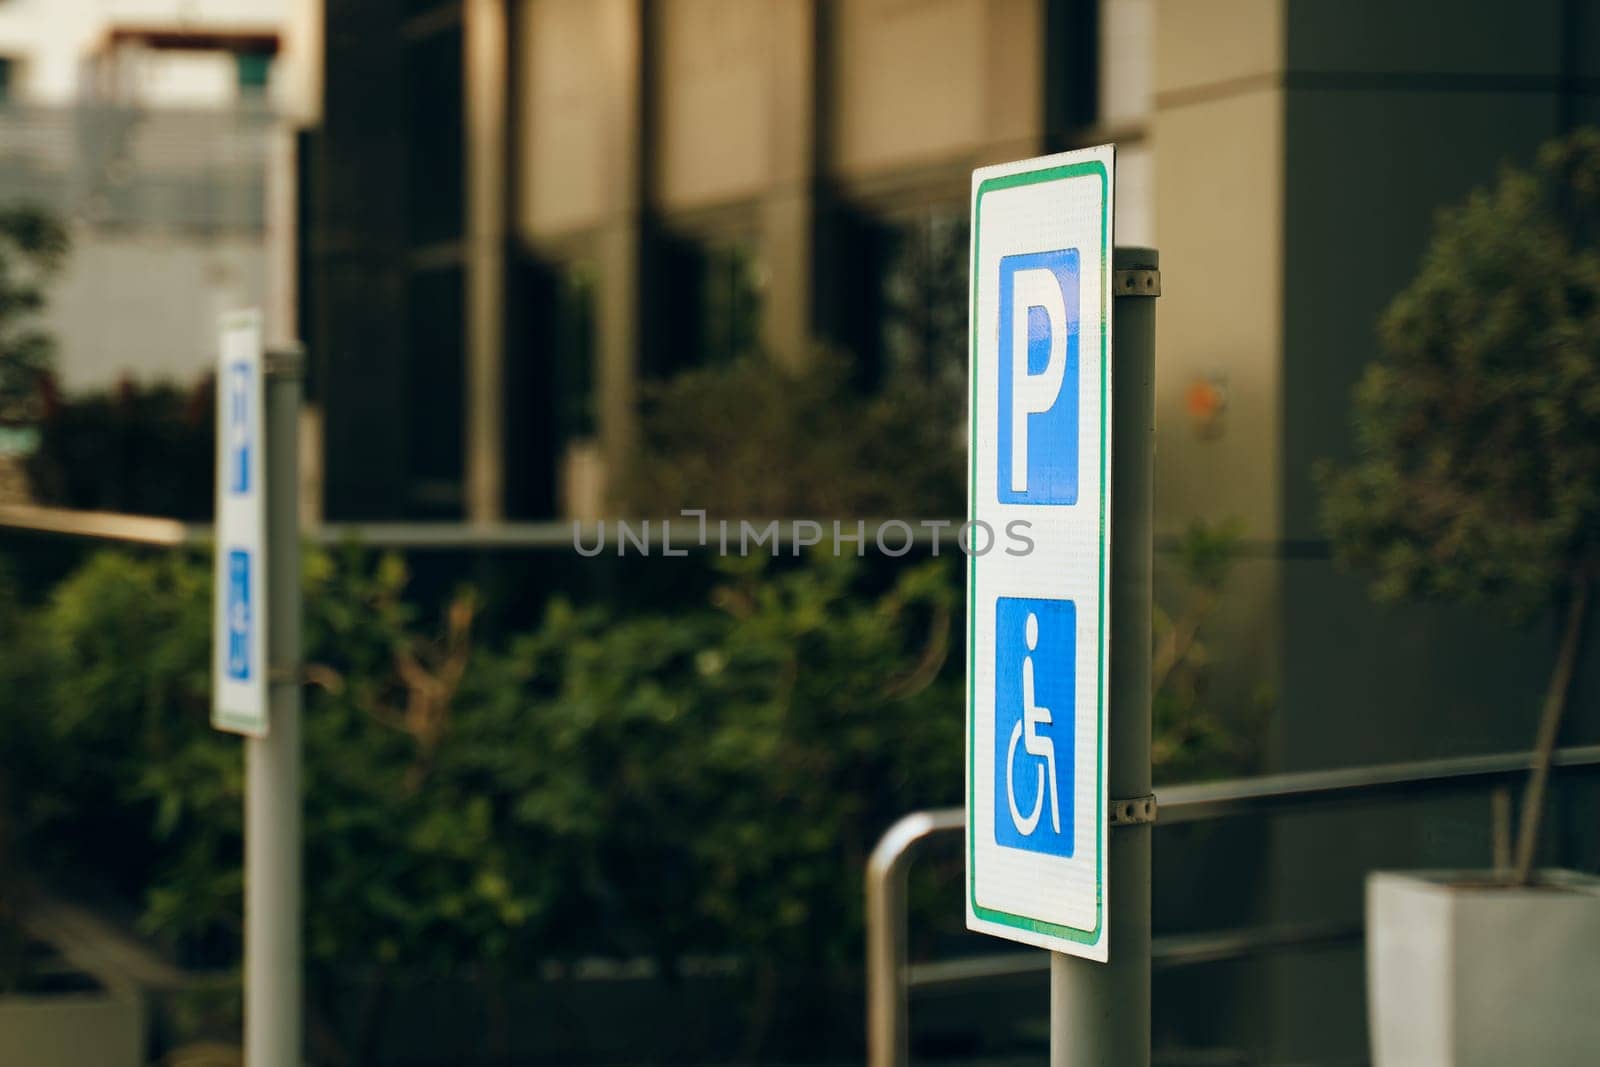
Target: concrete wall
[[1217, 142], [1391, 114], [1218, 136], [52, 38], [146, 305], [716, 105], [575, 168], [164, 210], [723, 119], [104, 1029]]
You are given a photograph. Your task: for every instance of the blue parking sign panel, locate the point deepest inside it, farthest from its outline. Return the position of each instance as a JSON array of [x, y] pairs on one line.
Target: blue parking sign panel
[[239, 647], [1039, 423]]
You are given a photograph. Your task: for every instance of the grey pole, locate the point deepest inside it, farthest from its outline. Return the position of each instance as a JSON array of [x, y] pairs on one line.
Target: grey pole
[[1100, 1012], [272, 933]]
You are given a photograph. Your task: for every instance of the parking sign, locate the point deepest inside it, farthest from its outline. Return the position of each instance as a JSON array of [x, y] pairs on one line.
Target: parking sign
[[1039, 425], [239, 644]]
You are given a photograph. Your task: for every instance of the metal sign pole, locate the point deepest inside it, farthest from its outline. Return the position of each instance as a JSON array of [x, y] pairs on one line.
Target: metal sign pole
[[1100, 1012], [272, 985]]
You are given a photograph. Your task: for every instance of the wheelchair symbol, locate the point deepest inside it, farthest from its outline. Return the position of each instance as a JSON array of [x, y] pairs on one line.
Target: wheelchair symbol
[[1035, 744], [1034, 693], [238, 615]]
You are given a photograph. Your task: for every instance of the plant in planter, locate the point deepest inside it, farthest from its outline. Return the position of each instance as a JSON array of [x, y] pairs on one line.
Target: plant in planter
[[1477, 478]]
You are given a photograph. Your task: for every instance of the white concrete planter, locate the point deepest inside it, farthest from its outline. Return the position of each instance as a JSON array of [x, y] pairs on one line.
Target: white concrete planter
[[1461, 973], [103, 1029]]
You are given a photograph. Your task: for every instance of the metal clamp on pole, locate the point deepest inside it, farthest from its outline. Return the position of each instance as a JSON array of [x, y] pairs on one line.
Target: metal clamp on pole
[[284, 362], [1136, 811], [1140, 281], [286, 674]]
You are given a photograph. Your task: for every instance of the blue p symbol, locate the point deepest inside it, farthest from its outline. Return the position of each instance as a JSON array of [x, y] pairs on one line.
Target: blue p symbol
[[1038, 365], [238, 427]]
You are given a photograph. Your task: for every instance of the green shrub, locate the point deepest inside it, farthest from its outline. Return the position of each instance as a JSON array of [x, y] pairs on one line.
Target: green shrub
[[715, 780], [708, 781], [755, 439], [146, 450]]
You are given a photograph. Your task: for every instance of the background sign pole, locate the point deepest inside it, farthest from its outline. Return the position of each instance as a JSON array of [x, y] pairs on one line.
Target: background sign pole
[[272, 985], [1100, 1012]]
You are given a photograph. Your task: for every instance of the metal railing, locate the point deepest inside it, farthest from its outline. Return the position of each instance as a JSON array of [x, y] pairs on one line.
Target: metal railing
[[890, 978], [537, 534], [657, 533]]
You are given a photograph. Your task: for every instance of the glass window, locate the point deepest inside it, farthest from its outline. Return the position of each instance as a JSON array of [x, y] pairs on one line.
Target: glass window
[[705, 302], [254, 68], [434, 121], [550, 376], [730, 302], [893, 295], [923, 304], [435, 398], [572, 349]]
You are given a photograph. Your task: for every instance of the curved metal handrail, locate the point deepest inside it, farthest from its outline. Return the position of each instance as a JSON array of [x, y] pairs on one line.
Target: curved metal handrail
[[887, 992], [888, 985]]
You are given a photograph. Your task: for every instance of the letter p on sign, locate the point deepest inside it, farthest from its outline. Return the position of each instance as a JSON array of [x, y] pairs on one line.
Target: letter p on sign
[[1038, 367]]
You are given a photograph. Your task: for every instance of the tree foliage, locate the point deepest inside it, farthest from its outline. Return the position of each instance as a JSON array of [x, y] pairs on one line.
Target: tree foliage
[[755, 439], [1477, 465], [33, 246]]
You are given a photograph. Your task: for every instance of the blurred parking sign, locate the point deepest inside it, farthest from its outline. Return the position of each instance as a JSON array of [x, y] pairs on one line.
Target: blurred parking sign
[[1040, 321], [239, 692]]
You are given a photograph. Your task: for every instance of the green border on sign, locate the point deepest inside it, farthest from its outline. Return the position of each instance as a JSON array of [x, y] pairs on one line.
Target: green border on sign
[[1069, 933]]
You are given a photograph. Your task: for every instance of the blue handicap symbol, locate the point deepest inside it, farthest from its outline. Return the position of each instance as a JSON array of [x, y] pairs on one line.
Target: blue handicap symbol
[[239, 618], [1034, 670]]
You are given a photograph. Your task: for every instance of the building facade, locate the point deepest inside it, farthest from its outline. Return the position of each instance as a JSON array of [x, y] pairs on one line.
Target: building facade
[[566, 199], [146, 126]]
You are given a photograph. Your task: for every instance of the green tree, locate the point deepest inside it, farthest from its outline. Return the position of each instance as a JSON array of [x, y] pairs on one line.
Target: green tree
[[1477, 468], [755, 439], [33, 246]]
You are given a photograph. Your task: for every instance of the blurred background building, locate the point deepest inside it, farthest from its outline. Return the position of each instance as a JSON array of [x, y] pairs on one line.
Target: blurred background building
[[143, 124], [520, 210], [514, 215], [551, 201]]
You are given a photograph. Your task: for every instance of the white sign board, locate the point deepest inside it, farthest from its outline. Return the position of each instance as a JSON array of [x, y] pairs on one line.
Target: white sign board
[[239, 642], [1039, 453]]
